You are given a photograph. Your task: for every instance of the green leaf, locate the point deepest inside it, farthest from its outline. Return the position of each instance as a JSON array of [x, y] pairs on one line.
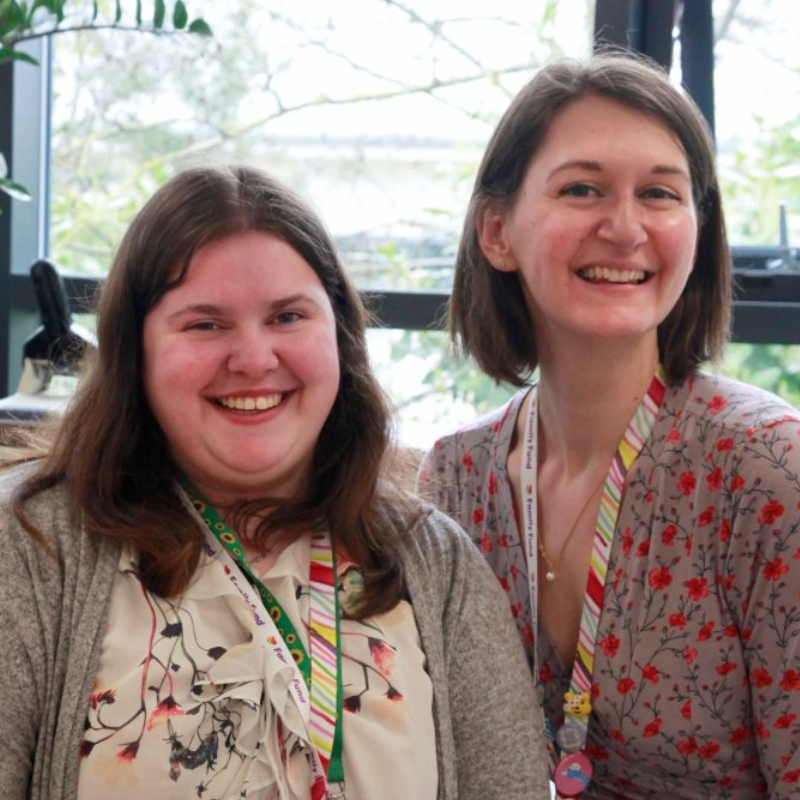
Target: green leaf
[[158, 14], [15, 190], [138, 13], [9, 54], [118, 13], [95, 10], [12, 18], [201, 27], [179, 16]]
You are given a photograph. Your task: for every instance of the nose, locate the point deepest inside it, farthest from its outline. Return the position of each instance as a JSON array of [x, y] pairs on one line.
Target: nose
[[623, 224], [253, 352]]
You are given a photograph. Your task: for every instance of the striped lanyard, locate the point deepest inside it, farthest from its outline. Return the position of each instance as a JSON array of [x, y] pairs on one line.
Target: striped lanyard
[[574, 770], [322, 668]]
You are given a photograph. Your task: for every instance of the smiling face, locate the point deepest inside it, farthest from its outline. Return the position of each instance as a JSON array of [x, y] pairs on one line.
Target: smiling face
[[604, 228], [241, 368]]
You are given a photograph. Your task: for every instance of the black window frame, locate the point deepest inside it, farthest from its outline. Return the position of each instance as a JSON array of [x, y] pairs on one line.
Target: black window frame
[[767, 299]]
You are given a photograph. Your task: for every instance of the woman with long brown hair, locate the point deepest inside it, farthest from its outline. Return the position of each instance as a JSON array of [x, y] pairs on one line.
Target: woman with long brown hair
[[211, 586]]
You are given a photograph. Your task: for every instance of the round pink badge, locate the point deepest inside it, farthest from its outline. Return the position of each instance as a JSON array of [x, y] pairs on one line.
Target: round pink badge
[[573, 774]]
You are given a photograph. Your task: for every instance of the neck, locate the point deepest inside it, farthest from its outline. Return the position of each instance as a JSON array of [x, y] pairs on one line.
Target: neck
[[587, 397]]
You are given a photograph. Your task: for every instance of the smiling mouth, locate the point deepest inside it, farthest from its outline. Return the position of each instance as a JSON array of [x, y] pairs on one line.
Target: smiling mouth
[[606, 275], [249, 404]]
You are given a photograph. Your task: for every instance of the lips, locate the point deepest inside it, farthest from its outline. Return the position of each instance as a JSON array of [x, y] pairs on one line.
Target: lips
[[250, 403], [617, 276]]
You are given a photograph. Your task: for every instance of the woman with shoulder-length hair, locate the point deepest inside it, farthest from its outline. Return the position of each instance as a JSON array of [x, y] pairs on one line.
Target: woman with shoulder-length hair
[[210, 585], [641, 512]]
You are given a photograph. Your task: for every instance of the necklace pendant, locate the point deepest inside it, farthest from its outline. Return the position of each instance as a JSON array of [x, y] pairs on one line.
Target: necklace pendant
[[550, 576]]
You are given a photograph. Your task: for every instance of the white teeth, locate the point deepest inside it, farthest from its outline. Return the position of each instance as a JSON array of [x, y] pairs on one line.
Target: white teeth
[[251, 403], [613, 275]]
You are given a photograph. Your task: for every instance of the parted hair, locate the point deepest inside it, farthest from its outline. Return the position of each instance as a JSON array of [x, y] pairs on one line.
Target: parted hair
[[112, 454], [488, 317]]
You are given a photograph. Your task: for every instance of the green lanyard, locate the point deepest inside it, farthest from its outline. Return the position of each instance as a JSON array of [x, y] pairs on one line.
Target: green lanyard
[[326, 728]]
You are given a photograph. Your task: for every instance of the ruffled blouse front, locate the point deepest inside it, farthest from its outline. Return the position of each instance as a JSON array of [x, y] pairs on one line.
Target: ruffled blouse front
[[188, 704]]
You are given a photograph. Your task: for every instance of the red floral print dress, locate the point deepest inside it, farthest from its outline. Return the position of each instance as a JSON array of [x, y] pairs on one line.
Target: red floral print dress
[[697, 669]]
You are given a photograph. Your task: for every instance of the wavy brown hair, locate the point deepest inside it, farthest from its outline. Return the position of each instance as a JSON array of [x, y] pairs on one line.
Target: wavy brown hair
[[112, 455], [488, 316]]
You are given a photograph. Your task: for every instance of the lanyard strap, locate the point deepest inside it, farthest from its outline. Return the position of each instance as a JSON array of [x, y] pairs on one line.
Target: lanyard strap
[[322, 670], [629, 447]]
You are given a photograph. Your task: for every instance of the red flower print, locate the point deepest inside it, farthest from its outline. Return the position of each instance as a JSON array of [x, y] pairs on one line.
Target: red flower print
[[610, 645], [514, 571], [129, 751], [709, 750], [775, 569], [739, 735], [502, 540], [382, 654], [724, 669], [477, 516], [627, 541], [653, 728], [545, 673], [660, 577], [761, 731], [467, 461], [698, 588], [714, 480], [724, 444], [352, 703], [686, 710], [785, 721], [85, 748], [690, 654], [737, 483], [643, 549], [486, 543], [673, 435], [791, 777], [393, 695], [616, 735], [106, 696], [760, 678], [790, 682], [492, 483], [716, 404], [705, 632], [516, 609], [527, 634], [707, 517], [677, 620], [725, 530], [504, 584], [626, 685], [164, 710], [687, 483], [731, 631], [770, 512], [668, 535], [650, 673], [687, 746], [597, 752]]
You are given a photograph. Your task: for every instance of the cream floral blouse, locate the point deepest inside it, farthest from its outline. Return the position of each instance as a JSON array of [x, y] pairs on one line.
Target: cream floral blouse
[[181, 710]]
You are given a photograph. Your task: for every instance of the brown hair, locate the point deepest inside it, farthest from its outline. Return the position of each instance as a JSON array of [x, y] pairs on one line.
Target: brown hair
[[111, 452], [488, 316]]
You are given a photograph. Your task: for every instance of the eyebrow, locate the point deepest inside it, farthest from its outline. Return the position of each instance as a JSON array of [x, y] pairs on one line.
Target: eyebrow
[[214, 310], [594, 166]]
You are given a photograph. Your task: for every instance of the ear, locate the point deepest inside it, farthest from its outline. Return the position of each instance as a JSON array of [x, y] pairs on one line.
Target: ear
[[491, 229]]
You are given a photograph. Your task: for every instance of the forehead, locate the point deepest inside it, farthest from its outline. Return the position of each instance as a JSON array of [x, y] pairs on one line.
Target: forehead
[[602, 129]]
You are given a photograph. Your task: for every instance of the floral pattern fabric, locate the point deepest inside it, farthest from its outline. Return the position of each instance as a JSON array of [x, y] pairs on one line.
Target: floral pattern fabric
[[180, 700], [697, 667]]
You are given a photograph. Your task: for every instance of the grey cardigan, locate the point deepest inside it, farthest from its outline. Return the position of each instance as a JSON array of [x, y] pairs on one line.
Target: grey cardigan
[[489, 736]]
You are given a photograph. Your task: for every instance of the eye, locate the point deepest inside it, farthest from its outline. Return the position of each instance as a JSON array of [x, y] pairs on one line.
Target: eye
[[661, 193], [203, 325], [579, 190], [287, 317]]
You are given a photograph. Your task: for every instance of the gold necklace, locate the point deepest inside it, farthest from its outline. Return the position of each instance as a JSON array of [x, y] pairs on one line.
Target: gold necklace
[[550, 573]]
